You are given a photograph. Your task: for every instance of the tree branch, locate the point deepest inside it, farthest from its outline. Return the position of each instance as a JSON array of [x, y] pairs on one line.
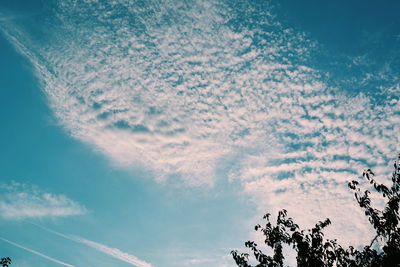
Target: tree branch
[[373, 240]]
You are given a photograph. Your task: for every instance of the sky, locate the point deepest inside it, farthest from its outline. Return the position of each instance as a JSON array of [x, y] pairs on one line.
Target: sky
[[157, 133]]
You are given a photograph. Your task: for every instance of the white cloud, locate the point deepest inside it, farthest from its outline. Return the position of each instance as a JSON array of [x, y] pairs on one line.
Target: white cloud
[[20, 201], [179, 94], [175, 98]]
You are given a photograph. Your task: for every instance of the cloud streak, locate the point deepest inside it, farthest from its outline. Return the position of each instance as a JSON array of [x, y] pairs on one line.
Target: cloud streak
[[113, 252], [36, 252]]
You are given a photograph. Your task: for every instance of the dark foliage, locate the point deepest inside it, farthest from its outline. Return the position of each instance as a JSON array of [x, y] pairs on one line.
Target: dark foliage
[[312, 250], [5, 262]]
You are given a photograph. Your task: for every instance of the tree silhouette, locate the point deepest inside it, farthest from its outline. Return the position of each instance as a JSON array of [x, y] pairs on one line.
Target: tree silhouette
[[5, 262], [313, 251]]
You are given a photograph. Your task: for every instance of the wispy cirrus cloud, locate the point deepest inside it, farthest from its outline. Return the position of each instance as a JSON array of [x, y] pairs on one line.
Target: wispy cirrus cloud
[[177, 87], [21, 201]]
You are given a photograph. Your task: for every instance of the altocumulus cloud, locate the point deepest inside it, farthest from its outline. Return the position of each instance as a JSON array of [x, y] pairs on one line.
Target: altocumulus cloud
[[21, 201], [170, 86], [178, 86]]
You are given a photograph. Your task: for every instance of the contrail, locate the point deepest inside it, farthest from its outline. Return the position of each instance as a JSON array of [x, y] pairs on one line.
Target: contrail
[[36, 253], [113, 252]]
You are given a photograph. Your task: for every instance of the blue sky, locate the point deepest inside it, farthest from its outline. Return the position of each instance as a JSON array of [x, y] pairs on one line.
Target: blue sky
[[157, 133]]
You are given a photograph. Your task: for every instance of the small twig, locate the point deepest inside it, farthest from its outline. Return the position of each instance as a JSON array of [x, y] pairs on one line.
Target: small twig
[[373, 240]]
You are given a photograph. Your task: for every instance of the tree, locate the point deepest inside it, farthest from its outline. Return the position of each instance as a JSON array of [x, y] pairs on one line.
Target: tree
[[313, 250], [5, 262]]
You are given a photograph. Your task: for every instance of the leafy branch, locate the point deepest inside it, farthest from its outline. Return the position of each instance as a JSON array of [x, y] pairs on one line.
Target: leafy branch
[[312, 250]]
